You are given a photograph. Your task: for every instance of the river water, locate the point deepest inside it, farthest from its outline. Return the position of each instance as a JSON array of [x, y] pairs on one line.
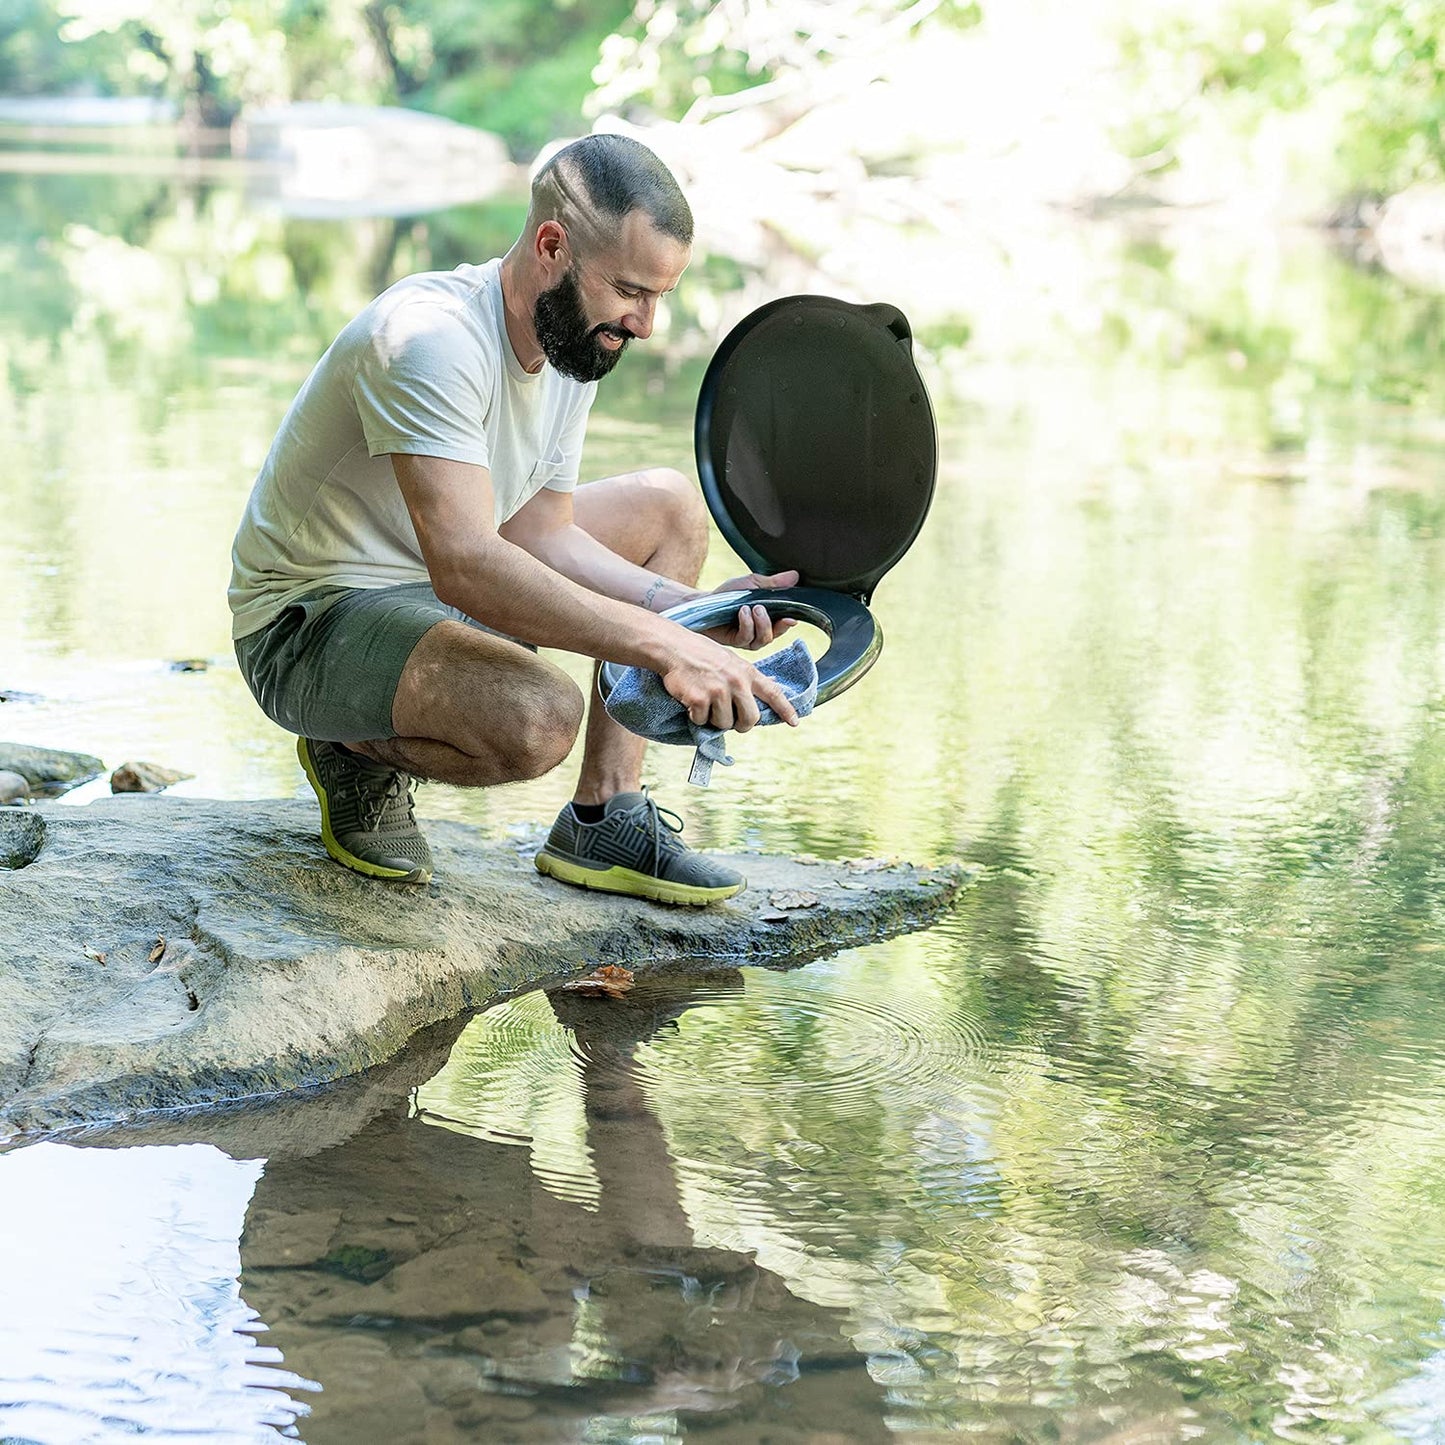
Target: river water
[[1141, 1143]]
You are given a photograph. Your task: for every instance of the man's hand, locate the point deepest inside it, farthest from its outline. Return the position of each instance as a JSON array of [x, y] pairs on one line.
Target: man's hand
[[720, 689], [753, 628]]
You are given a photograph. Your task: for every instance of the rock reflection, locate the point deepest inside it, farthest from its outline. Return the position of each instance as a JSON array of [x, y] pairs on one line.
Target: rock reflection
[[439, 1292]]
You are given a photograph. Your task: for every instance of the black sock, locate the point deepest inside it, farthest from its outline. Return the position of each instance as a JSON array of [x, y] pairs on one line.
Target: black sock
[[589, 812]]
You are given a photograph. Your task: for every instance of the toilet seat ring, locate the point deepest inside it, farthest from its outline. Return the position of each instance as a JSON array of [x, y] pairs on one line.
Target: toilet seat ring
[[854, 636]]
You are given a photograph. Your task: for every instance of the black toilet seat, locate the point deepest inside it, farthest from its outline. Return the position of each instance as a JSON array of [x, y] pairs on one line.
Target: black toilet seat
[[817, 451]]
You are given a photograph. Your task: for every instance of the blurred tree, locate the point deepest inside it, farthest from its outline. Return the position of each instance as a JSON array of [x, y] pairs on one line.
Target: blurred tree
[[688, 59], [521, 68], [1367, 71], [34, 60], [210, 56]]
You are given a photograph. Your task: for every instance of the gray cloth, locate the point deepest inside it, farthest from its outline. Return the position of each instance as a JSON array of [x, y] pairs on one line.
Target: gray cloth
[[643, 706]]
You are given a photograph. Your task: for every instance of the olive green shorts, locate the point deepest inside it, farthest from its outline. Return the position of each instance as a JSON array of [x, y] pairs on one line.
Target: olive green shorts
[[327, 666]]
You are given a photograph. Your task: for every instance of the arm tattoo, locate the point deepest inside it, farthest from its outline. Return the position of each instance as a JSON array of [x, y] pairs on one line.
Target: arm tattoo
[[658, 583]]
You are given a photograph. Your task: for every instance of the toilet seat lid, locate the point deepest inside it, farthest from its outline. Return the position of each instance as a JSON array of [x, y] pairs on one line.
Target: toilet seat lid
[[816, 444]]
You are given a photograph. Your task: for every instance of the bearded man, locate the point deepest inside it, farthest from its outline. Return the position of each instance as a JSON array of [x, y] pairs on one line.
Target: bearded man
[[417, 532]]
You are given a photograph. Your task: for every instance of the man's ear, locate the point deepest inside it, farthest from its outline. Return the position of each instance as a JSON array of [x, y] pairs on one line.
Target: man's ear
[[551, 245]]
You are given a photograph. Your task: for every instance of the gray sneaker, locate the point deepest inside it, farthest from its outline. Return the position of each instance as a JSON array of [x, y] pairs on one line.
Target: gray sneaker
[[366, 814], [635, 849]]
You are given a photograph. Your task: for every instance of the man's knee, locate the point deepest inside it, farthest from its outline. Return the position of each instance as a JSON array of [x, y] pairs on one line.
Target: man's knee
[[679, 495], [683, 513], [540, 729]]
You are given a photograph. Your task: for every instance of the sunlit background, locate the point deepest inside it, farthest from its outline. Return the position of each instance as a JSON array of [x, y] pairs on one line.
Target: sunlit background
[[1142, 1143]]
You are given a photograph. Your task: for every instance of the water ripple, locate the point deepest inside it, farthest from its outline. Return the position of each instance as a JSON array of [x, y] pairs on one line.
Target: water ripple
[[841, 1048]]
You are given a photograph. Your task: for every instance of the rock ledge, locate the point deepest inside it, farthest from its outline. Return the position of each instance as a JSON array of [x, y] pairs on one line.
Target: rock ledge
[[280, 970]]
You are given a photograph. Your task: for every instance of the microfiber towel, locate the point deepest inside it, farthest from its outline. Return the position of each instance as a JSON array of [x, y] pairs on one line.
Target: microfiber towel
[[643, 706]]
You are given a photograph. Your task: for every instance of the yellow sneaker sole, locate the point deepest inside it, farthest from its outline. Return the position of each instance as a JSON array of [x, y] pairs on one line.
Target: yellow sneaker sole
[[632, 883], [342, 856]]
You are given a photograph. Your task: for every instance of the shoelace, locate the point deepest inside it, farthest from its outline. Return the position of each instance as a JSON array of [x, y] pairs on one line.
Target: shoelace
[[372, 802], [657, 820]]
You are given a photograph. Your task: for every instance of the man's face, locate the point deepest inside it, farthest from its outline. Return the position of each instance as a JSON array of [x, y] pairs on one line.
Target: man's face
[[567, 337], [585, 320]]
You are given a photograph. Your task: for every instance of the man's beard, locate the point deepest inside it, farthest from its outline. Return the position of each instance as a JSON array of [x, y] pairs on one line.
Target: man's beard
[[567, 341]]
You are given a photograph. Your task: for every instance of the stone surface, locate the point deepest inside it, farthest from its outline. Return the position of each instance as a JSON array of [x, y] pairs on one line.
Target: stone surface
[[13, 788], [281, 970], [48, 767]]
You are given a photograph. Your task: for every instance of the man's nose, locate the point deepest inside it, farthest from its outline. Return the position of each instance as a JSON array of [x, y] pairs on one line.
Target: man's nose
[[641, 319]]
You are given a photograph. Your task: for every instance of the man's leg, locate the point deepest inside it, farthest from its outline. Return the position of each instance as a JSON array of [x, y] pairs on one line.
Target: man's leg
[[612, 837], [656, 519], [470, 708], [476, 710], [386, 684]]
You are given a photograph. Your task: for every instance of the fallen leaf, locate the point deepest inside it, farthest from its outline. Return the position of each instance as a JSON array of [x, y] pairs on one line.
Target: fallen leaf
[[871, 865], [596, 988], [772, 916], [609, 981], [158, 952], [808, 860], [94, 953], [793, 898]]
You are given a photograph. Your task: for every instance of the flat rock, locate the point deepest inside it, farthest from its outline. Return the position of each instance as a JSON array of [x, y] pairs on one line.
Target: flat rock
[[161, 952]]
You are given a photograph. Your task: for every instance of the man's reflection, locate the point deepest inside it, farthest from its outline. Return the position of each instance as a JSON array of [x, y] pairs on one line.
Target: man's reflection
[[439, 1293]]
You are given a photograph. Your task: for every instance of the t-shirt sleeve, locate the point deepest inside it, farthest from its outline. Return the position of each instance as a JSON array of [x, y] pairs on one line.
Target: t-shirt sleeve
[[574, 432], [421, 386]]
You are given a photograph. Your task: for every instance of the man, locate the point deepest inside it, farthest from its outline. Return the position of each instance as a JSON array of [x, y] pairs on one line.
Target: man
[[414, 535]]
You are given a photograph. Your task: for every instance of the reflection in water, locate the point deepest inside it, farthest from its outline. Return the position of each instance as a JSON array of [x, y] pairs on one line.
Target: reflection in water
[[440, 1291], [121, 1309]]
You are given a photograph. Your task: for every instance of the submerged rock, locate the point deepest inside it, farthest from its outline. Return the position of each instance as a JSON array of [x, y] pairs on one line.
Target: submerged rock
[[282, 970], [48, 767]]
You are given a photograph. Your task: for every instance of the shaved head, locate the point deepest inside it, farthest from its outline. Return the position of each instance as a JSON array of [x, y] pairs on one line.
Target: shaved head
[[590, 186]]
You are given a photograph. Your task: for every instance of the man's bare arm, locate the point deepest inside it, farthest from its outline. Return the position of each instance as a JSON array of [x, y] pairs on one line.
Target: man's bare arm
[[486, 576], [545, 527]]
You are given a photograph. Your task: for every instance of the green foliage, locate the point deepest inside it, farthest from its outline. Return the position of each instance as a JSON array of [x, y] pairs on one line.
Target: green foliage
[[1368, 71], [673, 56], [34, 60], [521, 68], [517, 70]]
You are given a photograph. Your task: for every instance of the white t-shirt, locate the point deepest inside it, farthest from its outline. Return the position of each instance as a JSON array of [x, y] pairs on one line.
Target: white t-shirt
[[426, 369]]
